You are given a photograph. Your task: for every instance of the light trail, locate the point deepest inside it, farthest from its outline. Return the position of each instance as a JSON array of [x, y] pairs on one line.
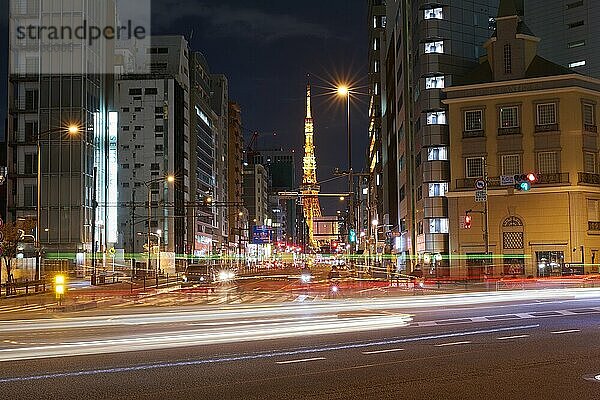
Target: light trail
[[245, 357], [248, 312]]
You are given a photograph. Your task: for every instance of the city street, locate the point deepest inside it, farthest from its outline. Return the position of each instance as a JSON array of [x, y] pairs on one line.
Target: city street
[[494, 346]]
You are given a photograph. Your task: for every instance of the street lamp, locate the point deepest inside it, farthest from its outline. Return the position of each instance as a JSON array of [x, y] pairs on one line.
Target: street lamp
[[345, 92], [72, 130], [375, 224], [169, 179]]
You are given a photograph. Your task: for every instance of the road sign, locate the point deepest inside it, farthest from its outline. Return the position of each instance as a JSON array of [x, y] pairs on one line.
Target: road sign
[[111, 251], [507, 180], [480, 184], [480, 196]]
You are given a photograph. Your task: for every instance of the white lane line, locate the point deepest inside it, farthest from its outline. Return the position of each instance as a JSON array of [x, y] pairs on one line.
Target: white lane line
[[301, 360], [512, 337], [566, 331], [453, 343], [382, 351]]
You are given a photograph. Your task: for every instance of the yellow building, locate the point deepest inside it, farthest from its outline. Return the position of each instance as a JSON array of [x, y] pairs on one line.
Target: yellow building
[[519, 113]]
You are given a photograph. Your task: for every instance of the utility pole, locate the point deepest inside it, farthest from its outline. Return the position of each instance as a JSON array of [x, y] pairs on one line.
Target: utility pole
[[486, 233]]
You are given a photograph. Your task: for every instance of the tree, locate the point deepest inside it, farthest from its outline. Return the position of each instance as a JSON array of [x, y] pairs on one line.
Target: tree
[[12, 234]]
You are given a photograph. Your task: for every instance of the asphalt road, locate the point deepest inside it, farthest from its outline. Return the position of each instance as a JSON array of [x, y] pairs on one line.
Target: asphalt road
[[534, 345]]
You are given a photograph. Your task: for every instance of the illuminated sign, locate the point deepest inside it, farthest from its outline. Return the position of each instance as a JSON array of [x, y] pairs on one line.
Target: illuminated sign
[[113, 166], [261, 235]]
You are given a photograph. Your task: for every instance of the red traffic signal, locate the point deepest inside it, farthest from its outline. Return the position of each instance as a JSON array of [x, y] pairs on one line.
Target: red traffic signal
[[531, 177], [467, 222]]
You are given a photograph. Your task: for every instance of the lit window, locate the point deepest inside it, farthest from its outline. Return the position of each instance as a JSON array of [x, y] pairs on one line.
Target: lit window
[[434, 13], [438, 189], [376, 88], [546, 114], [511, 164], [375, 21], [434, 47], [438, 225], [593, 210], [434, 82], [473, 120], [376, 66], [548, 162], [588, 114], [589, 163], [577, 43], [437, 153], [474, 167], [436, 118], [509, 117], [375, 43], [577, 64], [378, 179]]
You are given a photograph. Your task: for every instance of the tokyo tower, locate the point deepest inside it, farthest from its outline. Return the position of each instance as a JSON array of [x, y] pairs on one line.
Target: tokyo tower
[[310, 189]]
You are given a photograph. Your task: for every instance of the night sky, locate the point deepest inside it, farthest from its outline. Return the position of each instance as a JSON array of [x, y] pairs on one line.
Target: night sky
[[266, 49]]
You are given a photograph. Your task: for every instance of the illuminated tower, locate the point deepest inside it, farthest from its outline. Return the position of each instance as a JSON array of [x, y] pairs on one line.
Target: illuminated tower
[[310, 189]]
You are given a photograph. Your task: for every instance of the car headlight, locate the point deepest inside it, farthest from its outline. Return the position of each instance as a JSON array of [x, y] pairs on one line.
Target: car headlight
[[184, 278], [202, 279], [305, 278]]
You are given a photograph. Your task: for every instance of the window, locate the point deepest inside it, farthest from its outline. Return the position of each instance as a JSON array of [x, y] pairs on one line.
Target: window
[[588, 114], [419, 192], [575, 24], [159, 128], [589, 162], [436, 118], [437, 153], [509, 117], [438, 225], [546, 114], [31, 131], [125, 166], [473, 120], [548, 162], [125, 109], [375, 43], [474, 167], [420, 228], [135, 92], [574, 4], [511, 164], [155, 166], [157, 50], [593, 207], [31, 99], [577, 43], [158, 147], [434, 47], [376, 66], [434, 13], [402, 193], [577, 64], [30, 163], [151, 91], [138, 128], [507, 59], [29, 196], [434, 82], [401, 163], [438, 189]]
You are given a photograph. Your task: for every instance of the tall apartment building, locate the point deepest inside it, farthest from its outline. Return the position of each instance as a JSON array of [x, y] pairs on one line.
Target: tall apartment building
[[427, 46], [41, 102], [518, 113], [568, 30], [237, 213], [377, 21], [153, 143], [256, 194], [202, 159]]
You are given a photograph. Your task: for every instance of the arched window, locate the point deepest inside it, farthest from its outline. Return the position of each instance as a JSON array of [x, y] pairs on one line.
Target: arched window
[[513, 245], [507, 59]]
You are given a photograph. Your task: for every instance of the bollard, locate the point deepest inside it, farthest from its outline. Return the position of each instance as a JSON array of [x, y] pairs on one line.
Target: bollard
[[144, 283], [26, 286]]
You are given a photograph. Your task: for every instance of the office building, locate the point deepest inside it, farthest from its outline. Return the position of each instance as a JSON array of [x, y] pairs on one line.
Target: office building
[[237, 213], [256, 195]]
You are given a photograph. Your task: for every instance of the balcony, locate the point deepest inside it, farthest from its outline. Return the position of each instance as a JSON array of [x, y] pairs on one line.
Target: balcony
[[509, 131], [546, 128], [587, 178], [594, 226], [559, 178], [473, 134], [469, 183]]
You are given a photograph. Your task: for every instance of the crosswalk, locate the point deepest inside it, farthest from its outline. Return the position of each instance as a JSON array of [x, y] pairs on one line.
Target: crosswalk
[[6, 309], [217, 299]]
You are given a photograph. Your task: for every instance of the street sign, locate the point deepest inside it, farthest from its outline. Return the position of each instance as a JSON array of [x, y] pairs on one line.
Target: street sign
[[111, 251], [507, 180], [480, 184], [480, 196]]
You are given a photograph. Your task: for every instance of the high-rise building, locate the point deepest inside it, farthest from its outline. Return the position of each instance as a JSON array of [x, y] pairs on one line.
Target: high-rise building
[[256, 194], [427, 46], [568, 30], [237, 213], [153, 144], [75, 172]]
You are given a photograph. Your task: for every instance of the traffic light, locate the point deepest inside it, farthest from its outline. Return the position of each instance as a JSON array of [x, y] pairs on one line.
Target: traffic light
[[467, 221], [352, 236], [59, 285], [523, 182]]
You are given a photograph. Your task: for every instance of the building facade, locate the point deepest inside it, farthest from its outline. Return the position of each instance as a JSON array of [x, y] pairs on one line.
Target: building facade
[[237, 213], [256, 195], [427, 46], [518, 113], [568, 29]]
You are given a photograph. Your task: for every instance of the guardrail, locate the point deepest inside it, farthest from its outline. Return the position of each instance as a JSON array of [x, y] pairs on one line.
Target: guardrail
[[25, 287]]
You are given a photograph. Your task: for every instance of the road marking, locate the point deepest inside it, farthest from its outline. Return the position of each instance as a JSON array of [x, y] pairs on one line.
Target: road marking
[[301, 360], [381, 351], [453, 343], [512, 337], [566, 331]]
